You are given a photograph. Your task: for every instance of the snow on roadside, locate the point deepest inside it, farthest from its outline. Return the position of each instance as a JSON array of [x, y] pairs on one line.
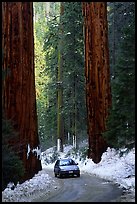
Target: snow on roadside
[[40, 184], [112, 167]]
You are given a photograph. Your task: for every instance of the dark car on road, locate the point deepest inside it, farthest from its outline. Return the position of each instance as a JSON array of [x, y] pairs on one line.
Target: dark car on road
[[66, 167]]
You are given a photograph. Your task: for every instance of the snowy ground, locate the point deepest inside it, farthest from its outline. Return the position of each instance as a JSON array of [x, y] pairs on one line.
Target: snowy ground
[[120, 170]]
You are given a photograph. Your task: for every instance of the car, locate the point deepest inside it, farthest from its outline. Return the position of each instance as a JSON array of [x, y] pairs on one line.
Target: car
[[66, 167]]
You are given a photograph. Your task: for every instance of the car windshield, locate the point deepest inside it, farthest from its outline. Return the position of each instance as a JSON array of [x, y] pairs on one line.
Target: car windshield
[[67, 162]]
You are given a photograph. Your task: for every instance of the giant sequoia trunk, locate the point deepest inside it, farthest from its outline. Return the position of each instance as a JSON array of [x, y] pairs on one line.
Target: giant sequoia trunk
[[18, 91], [98, 96]]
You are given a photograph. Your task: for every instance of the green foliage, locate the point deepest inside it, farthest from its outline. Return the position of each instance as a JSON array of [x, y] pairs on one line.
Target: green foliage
[[121, 121], [12, 166], [83, 151], [74, 79], [39, 20], [120, 14], [45, 70], [54, 156], [46, 56], [72, 153]]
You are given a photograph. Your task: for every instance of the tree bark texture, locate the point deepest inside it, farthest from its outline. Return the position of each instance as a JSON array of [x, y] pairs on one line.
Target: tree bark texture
[[97, 74], [18, 91]]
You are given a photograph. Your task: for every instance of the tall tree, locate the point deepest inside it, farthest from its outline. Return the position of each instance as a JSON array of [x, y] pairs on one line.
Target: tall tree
[[18, 96], [74, 114], [60, 121], [121, 121], [51, 43], [44, 13], [74, 80], [98, 93]]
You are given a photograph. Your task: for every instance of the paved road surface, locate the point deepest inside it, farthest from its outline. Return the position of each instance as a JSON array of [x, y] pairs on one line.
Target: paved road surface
[[86, 188]]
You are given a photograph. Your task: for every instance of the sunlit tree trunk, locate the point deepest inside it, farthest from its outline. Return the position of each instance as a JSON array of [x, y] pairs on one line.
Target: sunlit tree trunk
[[60, 122], [74, 118], [18, 91], [98, 95]]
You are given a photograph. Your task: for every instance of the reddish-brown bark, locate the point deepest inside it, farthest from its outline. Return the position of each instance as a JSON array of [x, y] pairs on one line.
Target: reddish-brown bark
[[98, 94], [18, 91]]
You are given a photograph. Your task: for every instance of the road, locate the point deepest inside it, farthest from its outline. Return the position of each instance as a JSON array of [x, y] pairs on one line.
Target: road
[[86, 188]]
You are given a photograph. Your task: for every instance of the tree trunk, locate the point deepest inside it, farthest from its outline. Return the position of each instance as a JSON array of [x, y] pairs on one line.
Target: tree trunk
[[60, 123], [97, 73], [18, 93], [74, 114]]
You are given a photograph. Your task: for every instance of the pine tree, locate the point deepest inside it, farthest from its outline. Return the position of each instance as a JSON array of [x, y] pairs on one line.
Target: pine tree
[[60, 121], [121, 121], [74, 113], [51, 40], [46, 36], [74, 79], [119, 15]]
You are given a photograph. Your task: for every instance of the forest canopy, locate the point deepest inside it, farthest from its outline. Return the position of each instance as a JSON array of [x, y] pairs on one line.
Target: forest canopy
[[121, 33]]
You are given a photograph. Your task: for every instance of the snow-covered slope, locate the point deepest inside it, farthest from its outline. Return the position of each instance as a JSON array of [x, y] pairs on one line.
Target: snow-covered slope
[[112, 167]]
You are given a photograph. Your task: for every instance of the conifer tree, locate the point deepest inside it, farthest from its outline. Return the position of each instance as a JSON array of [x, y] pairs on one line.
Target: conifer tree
[[74, 79], [121, 121]]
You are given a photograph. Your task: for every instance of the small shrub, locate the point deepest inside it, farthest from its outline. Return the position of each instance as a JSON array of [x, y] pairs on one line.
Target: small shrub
[[12, 167], [54, 156], [83, 152]]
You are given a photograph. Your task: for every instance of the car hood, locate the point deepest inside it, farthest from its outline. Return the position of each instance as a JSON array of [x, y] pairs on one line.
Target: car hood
[[69, 168]]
